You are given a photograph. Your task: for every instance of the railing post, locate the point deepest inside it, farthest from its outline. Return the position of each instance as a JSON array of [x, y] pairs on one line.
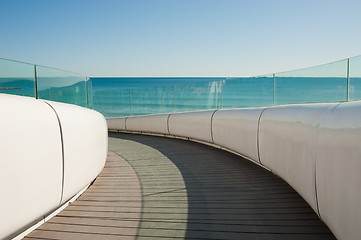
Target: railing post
[[274, 89], [130, 101], [175, 98], [221, 91], [86, 90], [35, 83], [348, 80]]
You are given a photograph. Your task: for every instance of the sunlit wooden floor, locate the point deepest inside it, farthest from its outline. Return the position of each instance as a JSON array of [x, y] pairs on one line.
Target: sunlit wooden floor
[[162, 188]]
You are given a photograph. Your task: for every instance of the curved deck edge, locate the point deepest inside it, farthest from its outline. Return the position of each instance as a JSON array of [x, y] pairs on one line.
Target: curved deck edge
[[305, 144]]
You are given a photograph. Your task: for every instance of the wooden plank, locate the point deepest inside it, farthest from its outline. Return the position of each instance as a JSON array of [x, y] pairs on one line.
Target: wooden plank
[[83, 219], [164, 188], [195, 191]]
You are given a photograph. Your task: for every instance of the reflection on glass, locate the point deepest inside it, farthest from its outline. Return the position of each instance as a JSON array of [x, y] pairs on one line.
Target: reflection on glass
[[17, 78], [323, 83], [114, 97], [152, 100], [89, 88], [248, 92], [355, 78], [112, 102], [61, 86], [198, 96]]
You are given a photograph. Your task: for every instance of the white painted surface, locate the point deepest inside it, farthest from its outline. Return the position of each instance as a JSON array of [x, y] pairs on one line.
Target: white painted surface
[[50, 216], [237, 129], [287, 143], [339, 170], [148, 123], [116, 123], [30, 164], [316, 148], [85, 141], [195, 125]]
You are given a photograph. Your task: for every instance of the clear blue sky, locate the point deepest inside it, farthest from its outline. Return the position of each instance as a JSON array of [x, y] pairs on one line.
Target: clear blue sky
[[179, 37]]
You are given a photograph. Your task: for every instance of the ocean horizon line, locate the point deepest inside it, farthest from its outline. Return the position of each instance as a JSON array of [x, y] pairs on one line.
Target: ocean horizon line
[[168, 76]]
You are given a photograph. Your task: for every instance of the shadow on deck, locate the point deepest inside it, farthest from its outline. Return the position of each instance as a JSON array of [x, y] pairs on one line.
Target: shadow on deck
[[171, 188]]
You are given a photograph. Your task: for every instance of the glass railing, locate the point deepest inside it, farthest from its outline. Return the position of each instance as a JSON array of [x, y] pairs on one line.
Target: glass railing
[[17, 78], [248, 92], [61, 86], [42, 82], [325, 83], [114, 101], [354, 76], [337, 81]]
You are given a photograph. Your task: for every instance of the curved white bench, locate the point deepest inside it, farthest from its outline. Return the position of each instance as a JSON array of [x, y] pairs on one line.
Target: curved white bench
[[288, 145], [316, 148], [49, 152], [237, 130]]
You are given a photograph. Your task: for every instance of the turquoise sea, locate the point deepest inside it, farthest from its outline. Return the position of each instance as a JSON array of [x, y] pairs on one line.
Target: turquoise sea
[[124, 96], [137, 96]]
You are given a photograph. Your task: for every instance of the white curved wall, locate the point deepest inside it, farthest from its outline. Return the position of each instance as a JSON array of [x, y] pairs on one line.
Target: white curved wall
[[287, 143], [237, 130], [31, 149], [31, 162], [338, 166], [316, 148], [195, 125], [116, 123], [85, 141], [148, 123]]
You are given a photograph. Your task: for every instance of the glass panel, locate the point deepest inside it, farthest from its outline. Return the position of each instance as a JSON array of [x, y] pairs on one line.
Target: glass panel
[[355, 78], [89, 87], [61, 86], [112, 102], [248, 92], [17, 78], [141, 82], [325, 83], [152, 100], [198, 96]]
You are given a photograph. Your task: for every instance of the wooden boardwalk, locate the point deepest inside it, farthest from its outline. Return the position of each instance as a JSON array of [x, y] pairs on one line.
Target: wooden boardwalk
[[161, 188]]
